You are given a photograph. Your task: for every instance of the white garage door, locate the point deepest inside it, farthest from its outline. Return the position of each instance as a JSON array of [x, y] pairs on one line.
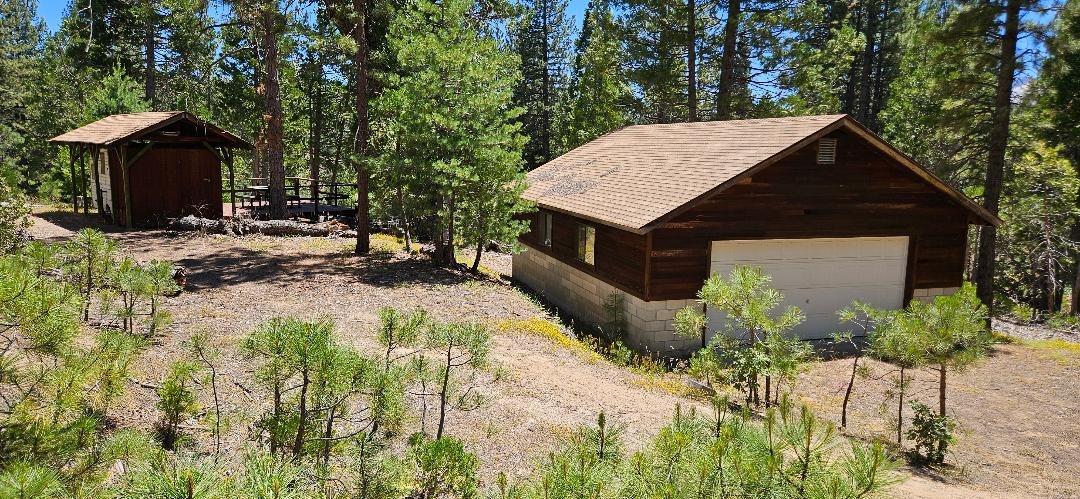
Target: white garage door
[[821, 276]]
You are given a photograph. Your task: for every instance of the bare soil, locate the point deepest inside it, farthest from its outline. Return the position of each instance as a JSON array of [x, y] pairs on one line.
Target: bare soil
[[1020, 433]]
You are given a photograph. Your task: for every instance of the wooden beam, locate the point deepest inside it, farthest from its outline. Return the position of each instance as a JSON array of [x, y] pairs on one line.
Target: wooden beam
[[217, 153], [82, 185], [125, 164], [97, 180], [71, 166], [227, 155], [133, 159]]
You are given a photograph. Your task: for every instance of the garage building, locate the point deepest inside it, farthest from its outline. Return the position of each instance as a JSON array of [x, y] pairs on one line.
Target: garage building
[[826, 207]]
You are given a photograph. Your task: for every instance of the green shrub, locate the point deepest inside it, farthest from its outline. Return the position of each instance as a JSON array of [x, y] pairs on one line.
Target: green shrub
[[931, 432], [1022, 312], [13, 216], [443, 468], [1064, 321]]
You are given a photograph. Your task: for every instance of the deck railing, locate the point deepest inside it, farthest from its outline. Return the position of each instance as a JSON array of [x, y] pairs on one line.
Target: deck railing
[[320, 197]]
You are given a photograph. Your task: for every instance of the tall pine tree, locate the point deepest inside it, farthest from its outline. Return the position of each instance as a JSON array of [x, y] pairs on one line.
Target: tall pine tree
[[542, 40]]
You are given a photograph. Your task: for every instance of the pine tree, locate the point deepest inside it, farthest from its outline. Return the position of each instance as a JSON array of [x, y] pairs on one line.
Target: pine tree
[[451, 115], [21, 46], [599, 94], [655, 41], [542, 42], [1061, 78]]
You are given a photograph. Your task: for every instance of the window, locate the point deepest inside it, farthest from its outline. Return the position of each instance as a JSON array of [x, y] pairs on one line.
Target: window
[[543, 228], [586, 244], [826, 151]]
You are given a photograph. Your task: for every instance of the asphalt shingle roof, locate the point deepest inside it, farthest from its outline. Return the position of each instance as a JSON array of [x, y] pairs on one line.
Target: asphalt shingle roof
[[118, 127], [635, 175]]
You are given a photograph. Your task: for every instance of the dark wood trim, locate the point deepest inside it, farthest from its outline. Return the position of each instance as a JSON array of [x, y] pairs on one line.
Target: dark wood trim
[[579, 216], [912, 268], [584, 267]]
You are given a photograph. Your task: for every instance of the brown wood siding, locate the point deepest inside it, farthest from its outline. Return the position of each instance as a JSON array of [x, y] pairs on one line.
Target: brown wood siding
[[620, 255], [168, 182], [864, 194]]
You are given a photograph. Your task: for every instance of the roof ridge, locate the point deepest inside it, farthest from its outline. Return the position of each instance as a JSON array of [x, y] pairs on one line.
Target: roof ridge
[[776, 119]]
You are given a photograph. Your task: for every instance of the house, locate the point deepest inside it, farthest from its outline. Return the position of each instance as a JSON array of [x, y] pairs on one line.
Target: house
[[831, 211], [149, 167]]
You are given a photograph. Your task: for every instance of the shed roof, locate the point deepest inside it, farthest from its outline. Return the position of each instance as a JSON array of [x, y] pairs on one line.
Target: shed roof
[[641, 175], [126, 127]]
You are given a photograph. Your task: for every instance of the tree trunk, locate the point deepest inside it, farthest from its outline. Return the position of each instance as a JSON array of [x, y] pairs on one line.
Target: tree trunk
[[900, 412], [444, 395], [727, 61], [691, 60], [406, 232], [865, 88], [476, 261], [328, 436], [847, 393], [149, 48], [301, 423], [1074, 297], [363, 129], [998, 142], [277, 419], [275, 146], [941, 390], [768, 390], [316, 128], [545, 92]]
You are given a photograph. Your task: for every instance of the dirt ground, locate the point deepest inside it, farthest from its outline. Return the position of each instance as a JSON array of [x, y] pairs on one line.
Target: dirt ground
[[1020, 429]]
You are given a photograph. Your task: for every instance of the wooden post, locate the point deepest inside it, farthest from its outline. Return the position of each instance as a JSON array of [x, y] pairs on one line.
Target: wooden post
[[315, 195], [82, 185], [228, 155], [127, 188], [97, 181], [71, 165]]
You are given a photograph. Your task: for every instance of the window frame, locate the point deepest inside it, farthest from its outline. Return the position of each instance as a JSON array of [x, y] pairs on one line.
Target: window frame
[[543, 222], [586, 253]]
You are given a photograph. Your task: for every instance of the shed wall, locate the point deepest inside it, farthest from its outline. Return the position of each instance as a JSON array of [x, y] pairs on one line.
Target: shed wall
[[864, 194], [174, 181]]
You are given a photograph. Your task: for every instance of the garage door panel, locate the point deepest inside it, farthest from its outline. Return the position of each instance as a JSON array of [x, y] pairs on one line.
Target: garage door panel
[[821, 276]]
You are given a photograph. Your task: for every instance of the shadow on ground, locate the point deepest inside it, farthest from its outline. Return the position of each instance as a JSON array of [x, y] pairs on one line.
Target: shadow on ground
[[244, 265]]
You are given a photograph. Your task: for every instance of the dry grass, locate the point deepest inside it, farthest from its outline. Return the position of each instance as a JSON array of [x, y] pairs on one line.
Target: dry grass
[[1058, 350]]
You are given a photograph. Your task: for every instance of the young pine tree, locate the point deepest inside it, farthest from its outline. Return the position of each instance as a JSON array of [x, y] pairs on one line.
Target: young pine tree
[[457, 347], [751, 342]]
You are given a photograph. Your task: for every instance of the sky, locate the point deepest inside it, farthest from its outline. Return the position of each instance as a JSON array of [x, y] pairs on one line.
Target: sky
[[52, 11]]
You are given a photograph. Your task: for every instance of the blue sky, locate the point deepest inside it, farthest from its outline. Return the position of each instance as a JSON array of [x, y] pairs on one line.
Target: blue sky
[[52, 11]]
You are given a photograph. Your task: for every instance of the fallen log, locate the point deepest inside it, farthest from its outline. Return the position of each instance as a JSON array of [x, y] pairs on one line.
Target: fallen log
[[264, 227]]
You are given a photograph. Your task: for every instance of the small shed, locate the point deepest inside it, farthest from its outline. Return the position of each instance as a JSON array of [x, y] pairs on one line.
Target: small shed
[[148, 167], [826, 207]]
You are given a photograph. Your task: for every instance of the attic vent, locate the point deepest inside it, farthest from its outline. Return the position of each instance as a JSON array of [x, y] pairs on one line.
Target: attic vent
[[826, 151]]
